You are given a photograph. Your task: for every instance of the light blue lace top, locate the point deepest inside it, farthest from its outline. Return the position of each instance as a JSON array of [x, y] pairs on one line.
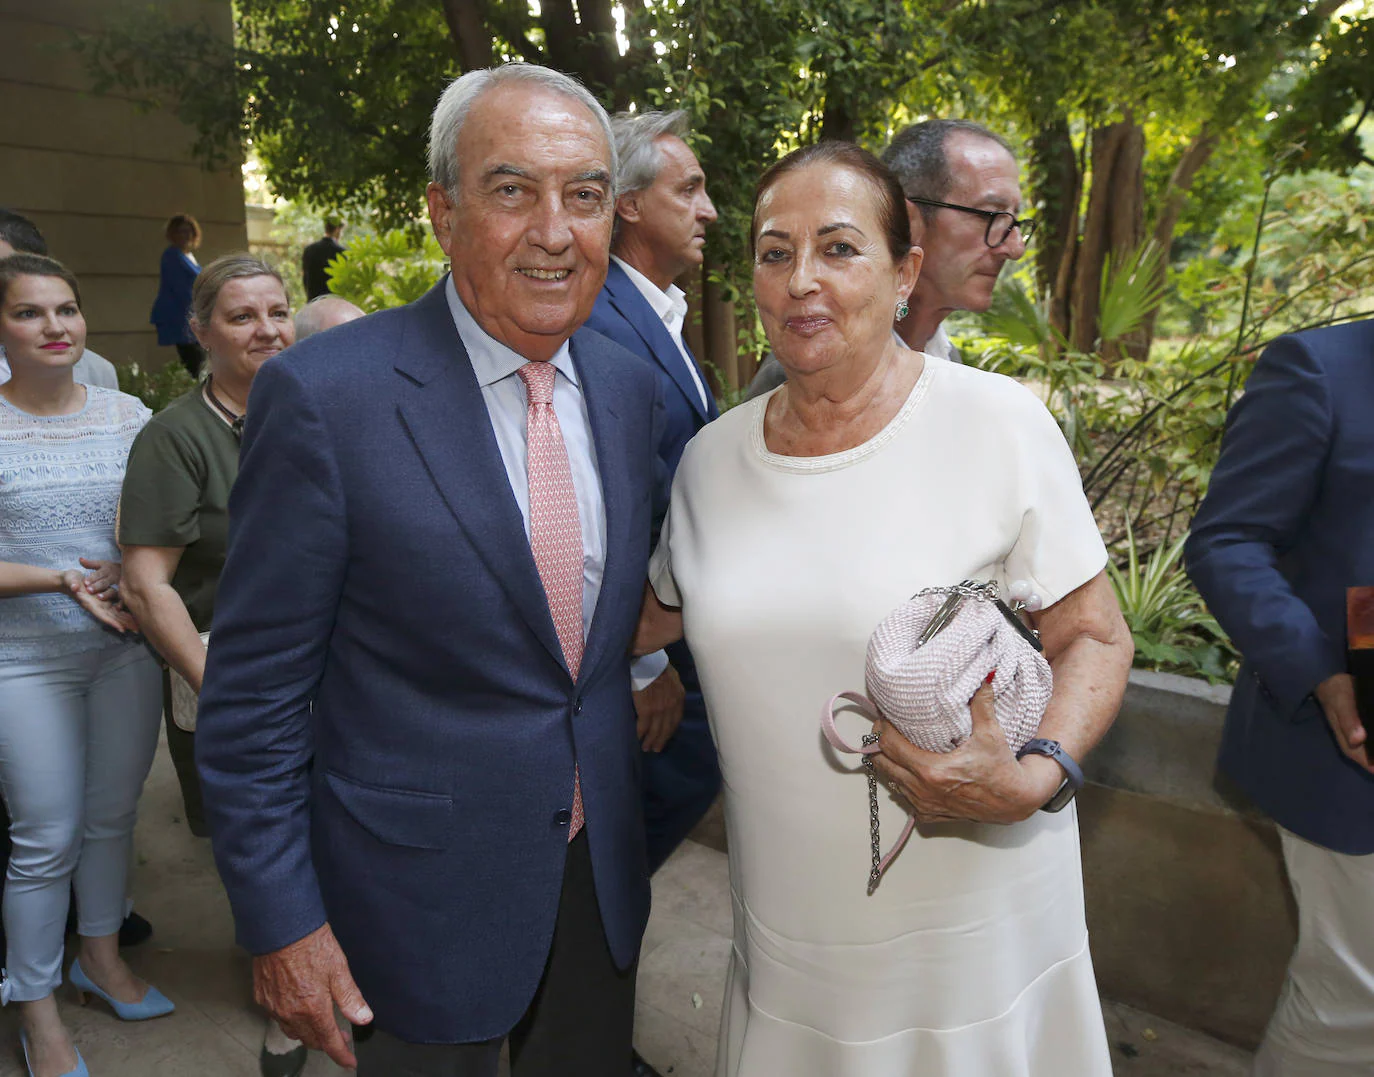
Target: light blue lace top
[[59, 487]]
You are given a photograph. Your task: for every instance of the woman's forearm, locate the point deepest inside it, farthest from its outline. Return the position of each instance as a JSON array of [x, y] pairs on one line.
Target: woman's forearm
[[163, 618], [1089, 681], [17, 579], [1090, 650]]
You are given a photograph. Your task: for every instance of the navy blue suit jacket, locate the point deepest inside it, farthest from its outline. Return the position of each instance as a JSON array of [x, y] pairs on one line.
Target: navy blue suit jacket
[[623, 315], [387, 730], [1286, 527]]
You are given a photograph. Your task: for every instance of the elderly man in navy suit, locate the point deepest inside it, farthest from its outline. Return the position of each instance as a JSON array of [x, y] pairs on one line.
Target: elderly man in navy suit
[[1287, 526], [417, 738], [662, 212]]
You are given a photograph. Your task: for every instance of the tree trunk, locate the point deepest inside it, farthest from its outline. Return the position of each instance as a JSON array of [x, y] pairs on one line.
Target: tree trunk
[[467, 26], [1197, 154], [1057, 187], [838, 122], [1113, 224], [601, 56], [720, 343]]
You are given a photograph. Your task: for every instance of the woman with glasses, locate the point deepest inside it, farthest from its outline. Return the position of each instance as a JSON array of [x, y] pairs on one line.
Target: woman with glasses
[[174, 513]]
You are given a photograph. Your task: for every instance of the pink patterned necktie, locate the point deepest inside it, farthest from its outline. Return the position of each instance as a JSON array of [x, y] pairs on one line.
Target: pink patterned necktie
[[555, 533]]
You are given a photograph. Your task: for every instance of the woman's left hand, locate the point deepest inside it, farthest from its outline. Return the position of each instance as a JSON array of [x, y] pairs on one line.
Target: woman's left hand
[[981, 780], [102, 579]]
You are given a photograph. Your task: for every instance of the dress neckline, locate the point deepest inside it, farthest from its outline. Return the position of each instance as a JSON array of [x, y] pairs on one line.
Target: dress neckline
[[85, 407], [849, 457]]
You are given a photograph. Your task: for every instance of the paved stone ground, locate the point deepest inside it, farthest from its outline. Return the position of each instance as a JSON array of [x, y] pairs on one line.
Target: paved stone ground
[[216, 1032]]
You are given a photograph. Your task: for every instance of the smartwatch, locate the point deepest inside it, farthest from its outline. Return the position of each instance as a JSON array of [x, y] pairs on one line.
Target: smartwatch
[[1073, 774]]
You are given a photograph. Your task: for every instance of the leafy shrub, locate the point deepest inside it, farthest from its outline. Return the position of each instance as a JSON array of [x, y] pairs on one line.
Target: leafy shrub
[[388, 270], [1170, 624], [156, 388]]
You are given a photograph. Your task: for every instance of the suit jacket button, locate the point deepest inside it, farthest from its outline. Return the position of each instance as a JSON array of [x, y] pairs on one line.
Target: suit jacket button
[[577, 707], [562, 817]]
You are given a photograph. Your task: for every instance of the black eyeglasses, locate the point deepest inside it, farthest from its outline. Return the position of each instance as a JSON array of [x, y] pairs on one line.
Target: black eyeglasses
[[1000, 223]]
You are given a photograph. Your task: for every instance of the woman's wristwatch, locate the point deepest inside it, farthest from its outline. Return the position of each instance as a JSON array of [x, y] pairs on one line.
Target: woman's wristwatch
[[1073, 773]]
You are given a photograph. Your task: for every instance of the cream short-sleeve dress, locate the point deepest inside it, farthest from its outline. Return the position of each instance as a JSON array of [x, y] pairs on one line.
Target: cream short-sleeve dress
[[971, 958]]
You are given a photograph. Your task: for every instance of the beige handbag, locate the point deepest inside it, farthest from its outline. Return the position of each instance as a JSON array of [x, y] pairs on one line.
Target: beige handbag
[[925, 662], [184, 697]]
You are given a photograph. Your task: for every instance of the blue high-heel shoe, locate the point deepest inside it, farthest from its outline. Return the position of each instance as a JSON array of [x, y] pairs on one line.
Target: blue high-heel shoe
[[153, 1004], [80, 1071]]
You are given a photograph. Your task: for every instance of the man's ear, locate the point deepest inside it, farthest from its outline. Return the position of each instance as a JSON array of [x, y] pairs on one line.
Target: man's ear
[[627, 207], [917, 223], [440, 207]]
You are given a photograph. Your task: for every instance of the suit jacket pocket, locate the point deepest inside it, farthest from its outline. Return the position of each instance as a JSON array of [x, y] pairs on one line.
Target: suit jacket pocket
[[402, 817]]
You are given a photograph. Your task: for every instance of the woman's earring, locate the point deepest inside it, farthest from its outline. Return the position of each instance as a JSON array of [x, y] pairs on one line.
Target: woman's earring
[[902, 309]]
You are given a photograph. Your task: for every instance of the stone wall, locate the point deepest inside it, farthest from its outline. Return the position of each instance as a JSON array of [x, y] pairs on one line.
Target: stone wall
[[99, 176], [1189, 908]]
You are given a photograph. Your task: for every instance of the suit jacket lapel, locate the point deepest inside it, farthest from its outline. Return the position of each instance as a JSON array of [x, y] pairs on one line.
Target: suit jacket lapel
[[635, 309], [447, 419], [602, 396]]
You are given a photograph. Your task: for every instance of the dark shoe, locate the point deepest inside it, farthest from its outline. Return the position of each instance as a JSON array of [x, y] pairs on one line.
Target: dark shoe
[[640, 1068], [134, 930], [291, 1064]]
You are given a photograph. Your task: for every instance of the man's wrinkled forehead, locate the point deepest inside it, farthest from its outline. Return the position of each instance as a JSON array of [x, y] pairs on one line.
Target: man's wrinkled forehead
[[982, 173]]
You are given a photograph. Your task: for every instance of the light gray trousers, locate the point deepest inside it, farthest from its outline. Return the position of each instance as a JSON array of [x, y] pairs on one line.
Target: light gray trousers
[[77, 737]]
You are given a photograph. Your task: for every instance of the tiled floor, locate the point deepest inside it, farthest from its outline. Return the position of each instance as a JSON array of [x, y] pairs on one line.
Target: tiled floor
[[216, 1033]]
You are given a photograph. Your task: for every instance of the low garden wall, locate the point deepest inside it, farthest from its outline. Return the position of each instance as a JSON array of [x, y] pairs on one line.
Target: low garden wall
[[1188, 905]]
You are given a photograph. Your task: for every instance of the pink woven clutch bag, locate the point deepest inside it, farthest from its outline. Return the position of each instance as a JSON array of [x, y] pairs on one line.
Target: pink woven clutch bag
[[925, 662]]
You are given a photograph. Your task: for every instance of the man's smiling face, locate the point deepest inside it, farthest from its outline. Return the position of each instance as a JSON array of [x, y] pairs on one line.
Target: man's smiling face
[[528, 233]]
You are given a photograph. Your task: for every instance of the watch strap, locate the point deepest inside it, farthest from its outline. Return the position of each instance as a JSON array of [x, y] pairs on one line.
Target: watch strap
[[1073, 773]]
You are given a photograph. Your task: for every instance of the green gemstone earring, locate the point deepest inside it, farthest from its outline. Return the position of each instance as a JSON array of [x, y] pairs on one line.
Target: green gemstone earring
[[902, 309]]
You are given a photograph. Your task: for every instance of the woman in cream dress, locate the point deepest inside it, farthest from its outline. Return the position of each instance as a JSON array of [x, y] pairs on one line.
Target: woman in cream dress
[[798, 521]]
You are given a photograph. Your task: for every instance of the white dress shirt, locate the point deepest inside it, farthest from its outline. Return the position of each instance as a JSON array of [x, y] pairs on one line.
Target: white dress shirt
[[508, 404], [90, 369], [671, 308]]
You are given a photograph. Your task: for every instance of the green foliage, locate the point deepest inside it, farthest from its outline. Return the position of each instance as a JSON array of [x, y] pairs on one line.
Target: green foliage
[[1131, 290], [1338, 86], [388, 270], [1168, 621], [156, 388]]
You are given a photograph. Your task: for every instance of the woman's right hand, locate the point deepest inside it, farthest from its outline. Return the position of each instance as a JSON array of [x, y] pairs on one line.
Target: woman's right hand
[[105, 610]]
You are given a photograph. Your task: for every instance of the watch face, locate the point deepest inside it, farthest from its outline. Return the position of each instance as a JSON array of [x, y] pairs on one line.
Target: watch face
[[1061, 798]]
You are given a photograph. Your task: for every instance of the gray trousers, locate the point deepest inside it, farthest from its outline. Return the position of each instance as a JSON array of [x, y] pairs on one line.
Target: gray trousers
[[579, 1022], [77, 737]]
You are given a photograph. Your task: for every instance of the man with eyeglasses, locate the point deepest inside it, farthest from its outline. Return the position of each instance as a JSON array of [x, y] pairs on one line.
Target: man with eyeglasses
[[963, 190]]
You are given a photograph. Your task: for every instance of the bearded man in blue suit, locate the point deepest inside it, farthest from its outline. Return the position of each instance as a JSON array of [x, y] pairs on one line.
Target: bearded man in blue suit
[[662, 212], [416, 734], [1286, 527]]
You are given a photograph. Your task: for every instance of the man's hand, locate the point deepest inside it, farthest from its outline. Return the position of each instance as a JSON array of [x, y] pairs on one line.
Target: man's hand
[[659, 710], [1336, 694], [981, 780], [300, 984]]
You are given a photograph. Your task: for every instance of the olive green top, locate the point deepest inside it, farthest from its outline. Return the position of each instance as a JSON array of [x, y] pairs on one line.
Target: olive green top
[[176, 493]]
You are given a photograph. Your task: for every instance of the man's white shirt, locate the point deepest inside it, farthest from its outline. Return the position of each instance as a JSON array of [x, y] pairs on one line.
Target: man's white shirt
[[671, 308]]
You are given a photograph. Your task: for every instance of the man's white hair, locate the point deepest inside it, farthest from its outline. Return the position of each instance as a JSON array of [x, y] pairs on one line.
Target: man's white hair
[[636, 146], [323, 312], [457, 100]]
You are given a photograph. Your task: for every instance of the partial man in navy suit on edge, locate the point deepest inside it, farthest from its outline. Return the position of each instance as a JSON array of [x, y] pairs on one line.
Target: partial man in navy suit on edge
[[1286, 527], [662, 211], [416, 734]]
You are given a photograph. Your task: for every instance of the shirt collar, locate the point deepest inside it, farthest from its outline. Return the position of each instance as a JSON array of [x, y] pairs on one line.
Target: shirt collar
[[666, 304], [491, 360]]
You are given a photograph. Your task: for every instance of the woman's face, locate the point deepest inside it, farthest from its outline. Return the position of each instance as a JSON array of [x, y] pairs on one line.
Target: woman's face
[[250, 324], [824, 279], [41, 326]]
